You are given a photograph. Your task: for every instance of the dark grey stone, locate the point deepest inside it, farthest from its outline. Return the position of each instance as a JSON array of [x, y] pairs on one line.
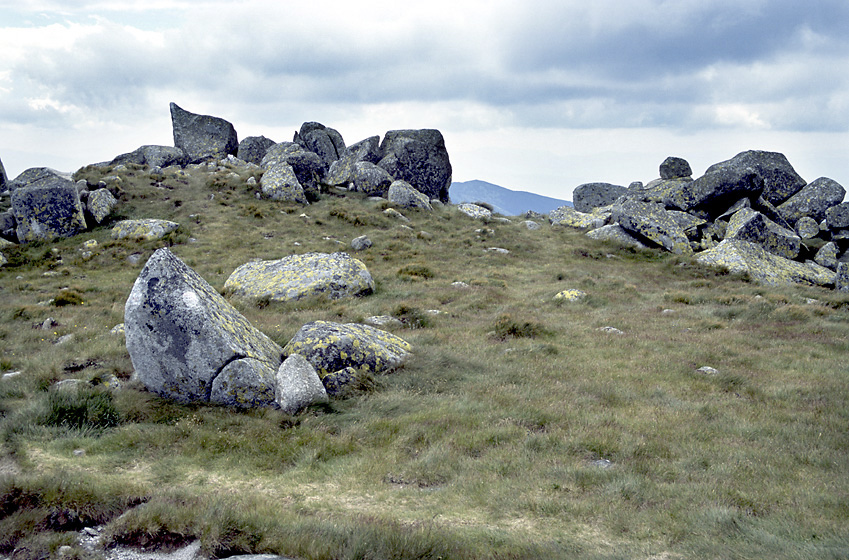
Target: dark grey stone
[[595, 195], [813, 201], [780, 180], [47, 209], [420, 158], [154, 156], [675, 168], [253, 148]]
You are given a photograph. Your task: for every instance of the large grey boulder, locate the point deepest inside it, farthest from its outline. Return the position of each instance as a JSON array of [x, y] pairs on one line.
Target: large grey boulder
[[402, 194], [306, 167], [47, 209], [650, 221], [202, 137], [813, 201], [740, 256], [342, 353], [279, 153], [663, 191], [837, 217], [298, 385], [100, 204], [253, 148], [8, 226], [780, 180], [325, 142], [189, 344], [3, 178], [153, 156], [588, 196], [752, 226], [370, 179], [474, 211], [828, 256], [420, 158], [675, 168], [336, 276]]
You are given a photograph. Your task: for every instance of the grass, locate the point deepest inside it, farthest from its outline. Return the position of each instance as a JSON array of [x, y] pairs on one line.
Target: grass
[[516, 430]]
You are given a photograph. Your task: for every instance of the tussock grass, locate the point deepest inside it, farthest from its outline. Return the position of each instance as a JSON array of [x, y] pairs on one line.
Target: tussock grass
[[517, 429]]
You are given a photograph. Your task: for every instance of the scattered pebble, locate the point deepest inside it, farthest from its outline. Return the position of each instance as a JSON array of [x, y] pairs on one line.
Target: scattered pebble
[[498, 250], [610, 330], [460, 285], [570, 295], [707, 370]]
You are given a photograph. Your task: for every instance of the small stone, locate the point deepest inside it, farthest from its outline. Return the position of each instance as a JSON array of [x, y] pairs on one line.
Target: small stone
[[79, 452], [707, 370], [531, 225], [460, 285], [498, 250], [48, 324], [570, 295], [383, 321], [602, 464], [11, 375], [361, 243], [64, 339], [611, 330]]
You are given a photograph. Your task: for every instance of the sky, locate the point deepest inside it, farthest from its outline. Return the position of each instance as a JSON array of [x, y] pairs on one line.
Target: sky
[[532, 95]]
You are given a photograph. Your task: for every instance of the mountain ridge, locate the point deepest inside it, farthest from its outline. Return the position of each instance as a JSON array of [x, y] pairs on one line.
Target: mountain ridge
[[504, 201]]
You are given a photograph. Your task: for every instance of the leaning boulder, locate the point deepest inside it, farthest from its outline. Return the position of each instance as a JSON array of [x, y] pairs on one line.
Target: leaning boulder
[[616, 234], [716, 190], [370, 179], [334, 347], [37, 177], [813, 201], [403, 195], [420, 158], [46, 210], [335, 276], [588, 196], [325, 142], [189, 344], [147, 229], [474, 211], [342, 171], [837, 217], [740, 256], [202, 137], [651, 221]]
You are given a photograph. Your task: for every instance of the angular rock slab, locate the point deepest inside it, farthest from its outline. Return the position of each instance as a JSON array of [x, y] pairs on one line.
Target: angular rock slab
[[101, 202], [742, 256], [589, 196], [331, 347], [813, 201], [202, 137], [780, 181], [405, 196], [298, 385], [48, 210], [336, 275], [474, 211], [189, 344], [420, 158], [568, 216], [749, 225], [651, 221]]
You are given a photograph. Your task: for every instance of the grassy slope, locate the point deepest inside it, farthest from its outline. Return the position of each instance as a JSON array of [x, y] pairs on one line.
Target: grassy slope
[[482, 446]]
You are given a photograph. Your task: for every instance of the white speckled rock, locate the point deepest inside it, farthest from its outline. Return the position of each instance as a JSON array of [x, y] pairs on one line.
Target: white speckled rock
[[336, 275], [298, 385]]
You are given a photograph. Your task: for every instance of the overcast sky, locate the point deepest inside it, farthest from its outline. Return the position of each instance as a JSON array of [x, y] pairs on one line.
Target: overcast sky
[[531, 95]]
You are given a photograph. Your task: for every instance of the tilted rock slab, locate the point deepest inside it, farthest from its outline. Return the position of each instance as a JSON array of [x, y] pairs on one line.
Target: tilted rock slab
[[616, 234], [46, 210], [748, 225], [336, 275], [298, 385], [100, 204], [202, 137], [474, 211], [780, 180], [568, 216], [744, 257], [189, 344], [148, 229], [588, 196], [3, 178], [342, 352], [342, 171], [153, 156]]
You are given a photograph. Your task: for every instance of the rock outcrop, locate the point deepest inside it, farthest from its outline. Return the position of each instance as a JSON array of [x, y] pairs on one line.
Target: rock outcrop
[[153, 156], [202, 137], [589, 196], [744, 257], [189, 344], [336, 275]]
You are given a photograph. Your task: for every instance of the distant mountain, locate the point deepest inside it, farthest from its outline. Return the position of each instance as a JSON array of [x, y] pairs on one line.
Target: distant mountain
[[504, 201]]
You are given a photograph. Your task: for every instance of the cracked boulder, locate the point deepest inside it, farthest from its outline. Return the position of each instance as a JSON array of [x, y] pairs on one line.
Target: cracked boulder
[[202, 137], [47, 209], [187, 343]]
